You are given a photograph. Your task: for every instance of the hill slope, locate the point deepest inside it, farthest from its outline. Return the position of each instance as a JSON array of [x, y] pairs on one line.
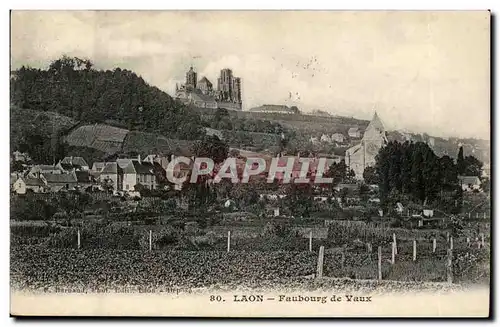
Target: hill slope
[[72, 87]]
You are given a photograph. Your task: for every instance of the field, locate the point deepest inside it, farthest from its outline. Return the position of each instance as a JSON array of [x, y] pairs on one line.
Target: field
[[115, 258], [101, 137]]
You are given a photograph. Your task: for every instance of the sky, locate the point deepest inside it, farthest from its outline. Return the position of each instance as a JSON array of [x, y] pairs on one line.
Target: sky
[[421, 71]]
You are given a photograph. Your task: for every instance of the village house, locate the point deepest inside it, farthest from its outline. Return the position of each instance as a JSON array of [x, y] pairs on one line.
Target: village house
[[26, 184], [73, 163], [20, 156], [354, 133], [97, 167], [58, 182], [85, 180], [125, 174], [314, 140], [338, 138], [326, 138], [470, 183], [38, 170], [112, 175]]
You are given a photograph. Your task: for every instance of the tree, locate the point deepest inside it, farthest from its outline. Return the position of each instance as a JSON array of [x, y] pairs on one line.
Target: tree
[[412, 172], [337, 171], [370, 176], [363, 191], [299, 199], [211, 147], [107, 185], [461, 161], [343, 195], [473, 167]]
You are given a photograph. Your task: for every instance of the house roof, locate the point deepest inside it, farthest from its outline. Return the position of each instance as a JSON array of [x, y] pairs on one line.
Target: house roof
[[33, 181], [97, 166], [60, 178], [353, 129], [74, 161], [470, 180], [110, 168], [143, 167], [354, 149], [42, 168]]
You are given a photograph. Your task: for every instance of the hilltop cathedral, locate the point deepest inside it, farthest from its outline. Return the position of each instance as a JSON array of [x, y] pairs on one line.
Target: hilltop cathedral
[[201, 93], [363, 155]]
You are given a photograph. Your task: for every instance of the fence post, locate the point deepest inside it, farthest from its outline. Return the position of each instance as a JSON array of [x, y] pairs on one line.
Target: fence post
[[451, 243], [150, 240], [310, 240], [469, 215], [228, 241], [369, 247], [434, 245], [395, 243], [379, 263], [482, 240], [449, 266], [414, 250], [484, 215], [393, 257], [320, 261], [342, 259], [447, 237], [468, 241], [78, 238]]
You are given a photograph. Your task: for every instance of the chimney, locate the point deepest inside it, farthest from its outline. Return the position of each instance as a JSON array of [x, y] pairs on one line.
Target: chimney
[[139, 158]]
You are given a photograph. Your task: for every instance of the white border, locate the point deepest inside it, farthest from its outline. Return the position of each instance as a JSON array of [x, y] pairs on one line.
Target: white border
[[185, 4]]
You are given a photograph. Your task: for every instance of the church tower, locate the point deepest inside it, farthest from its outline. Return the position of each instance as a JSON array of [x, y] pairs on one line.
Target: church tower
[[363, 155], [191, 78]]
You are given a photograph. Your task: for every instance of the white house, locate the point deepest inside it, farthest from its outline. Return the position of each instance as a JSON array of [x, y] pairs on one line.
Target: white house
[[314, 140], [136, 172], [399, 208], [25, 184], [470, 183], [354, 132], [337, 137], [326, 138], [429, 213]]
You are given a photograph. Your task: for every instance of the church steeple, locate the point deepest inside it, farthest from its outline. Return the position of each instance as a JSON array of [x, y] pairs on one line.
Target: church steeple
[[376, 123]]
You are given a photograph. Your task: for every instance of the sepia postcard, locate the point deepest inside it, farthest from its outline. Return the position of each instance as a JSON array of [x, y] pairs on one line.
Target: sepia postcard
[[250, 163]]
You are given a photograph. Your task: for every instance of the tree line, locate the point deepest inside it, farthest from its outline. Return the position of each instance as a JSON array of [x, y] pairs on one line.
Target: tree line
[[412, 172]]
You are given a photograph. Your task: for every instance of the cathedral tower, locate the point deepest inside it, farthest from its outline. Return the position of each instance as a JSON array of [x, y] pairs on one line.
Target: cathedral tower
[[191, 78]]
